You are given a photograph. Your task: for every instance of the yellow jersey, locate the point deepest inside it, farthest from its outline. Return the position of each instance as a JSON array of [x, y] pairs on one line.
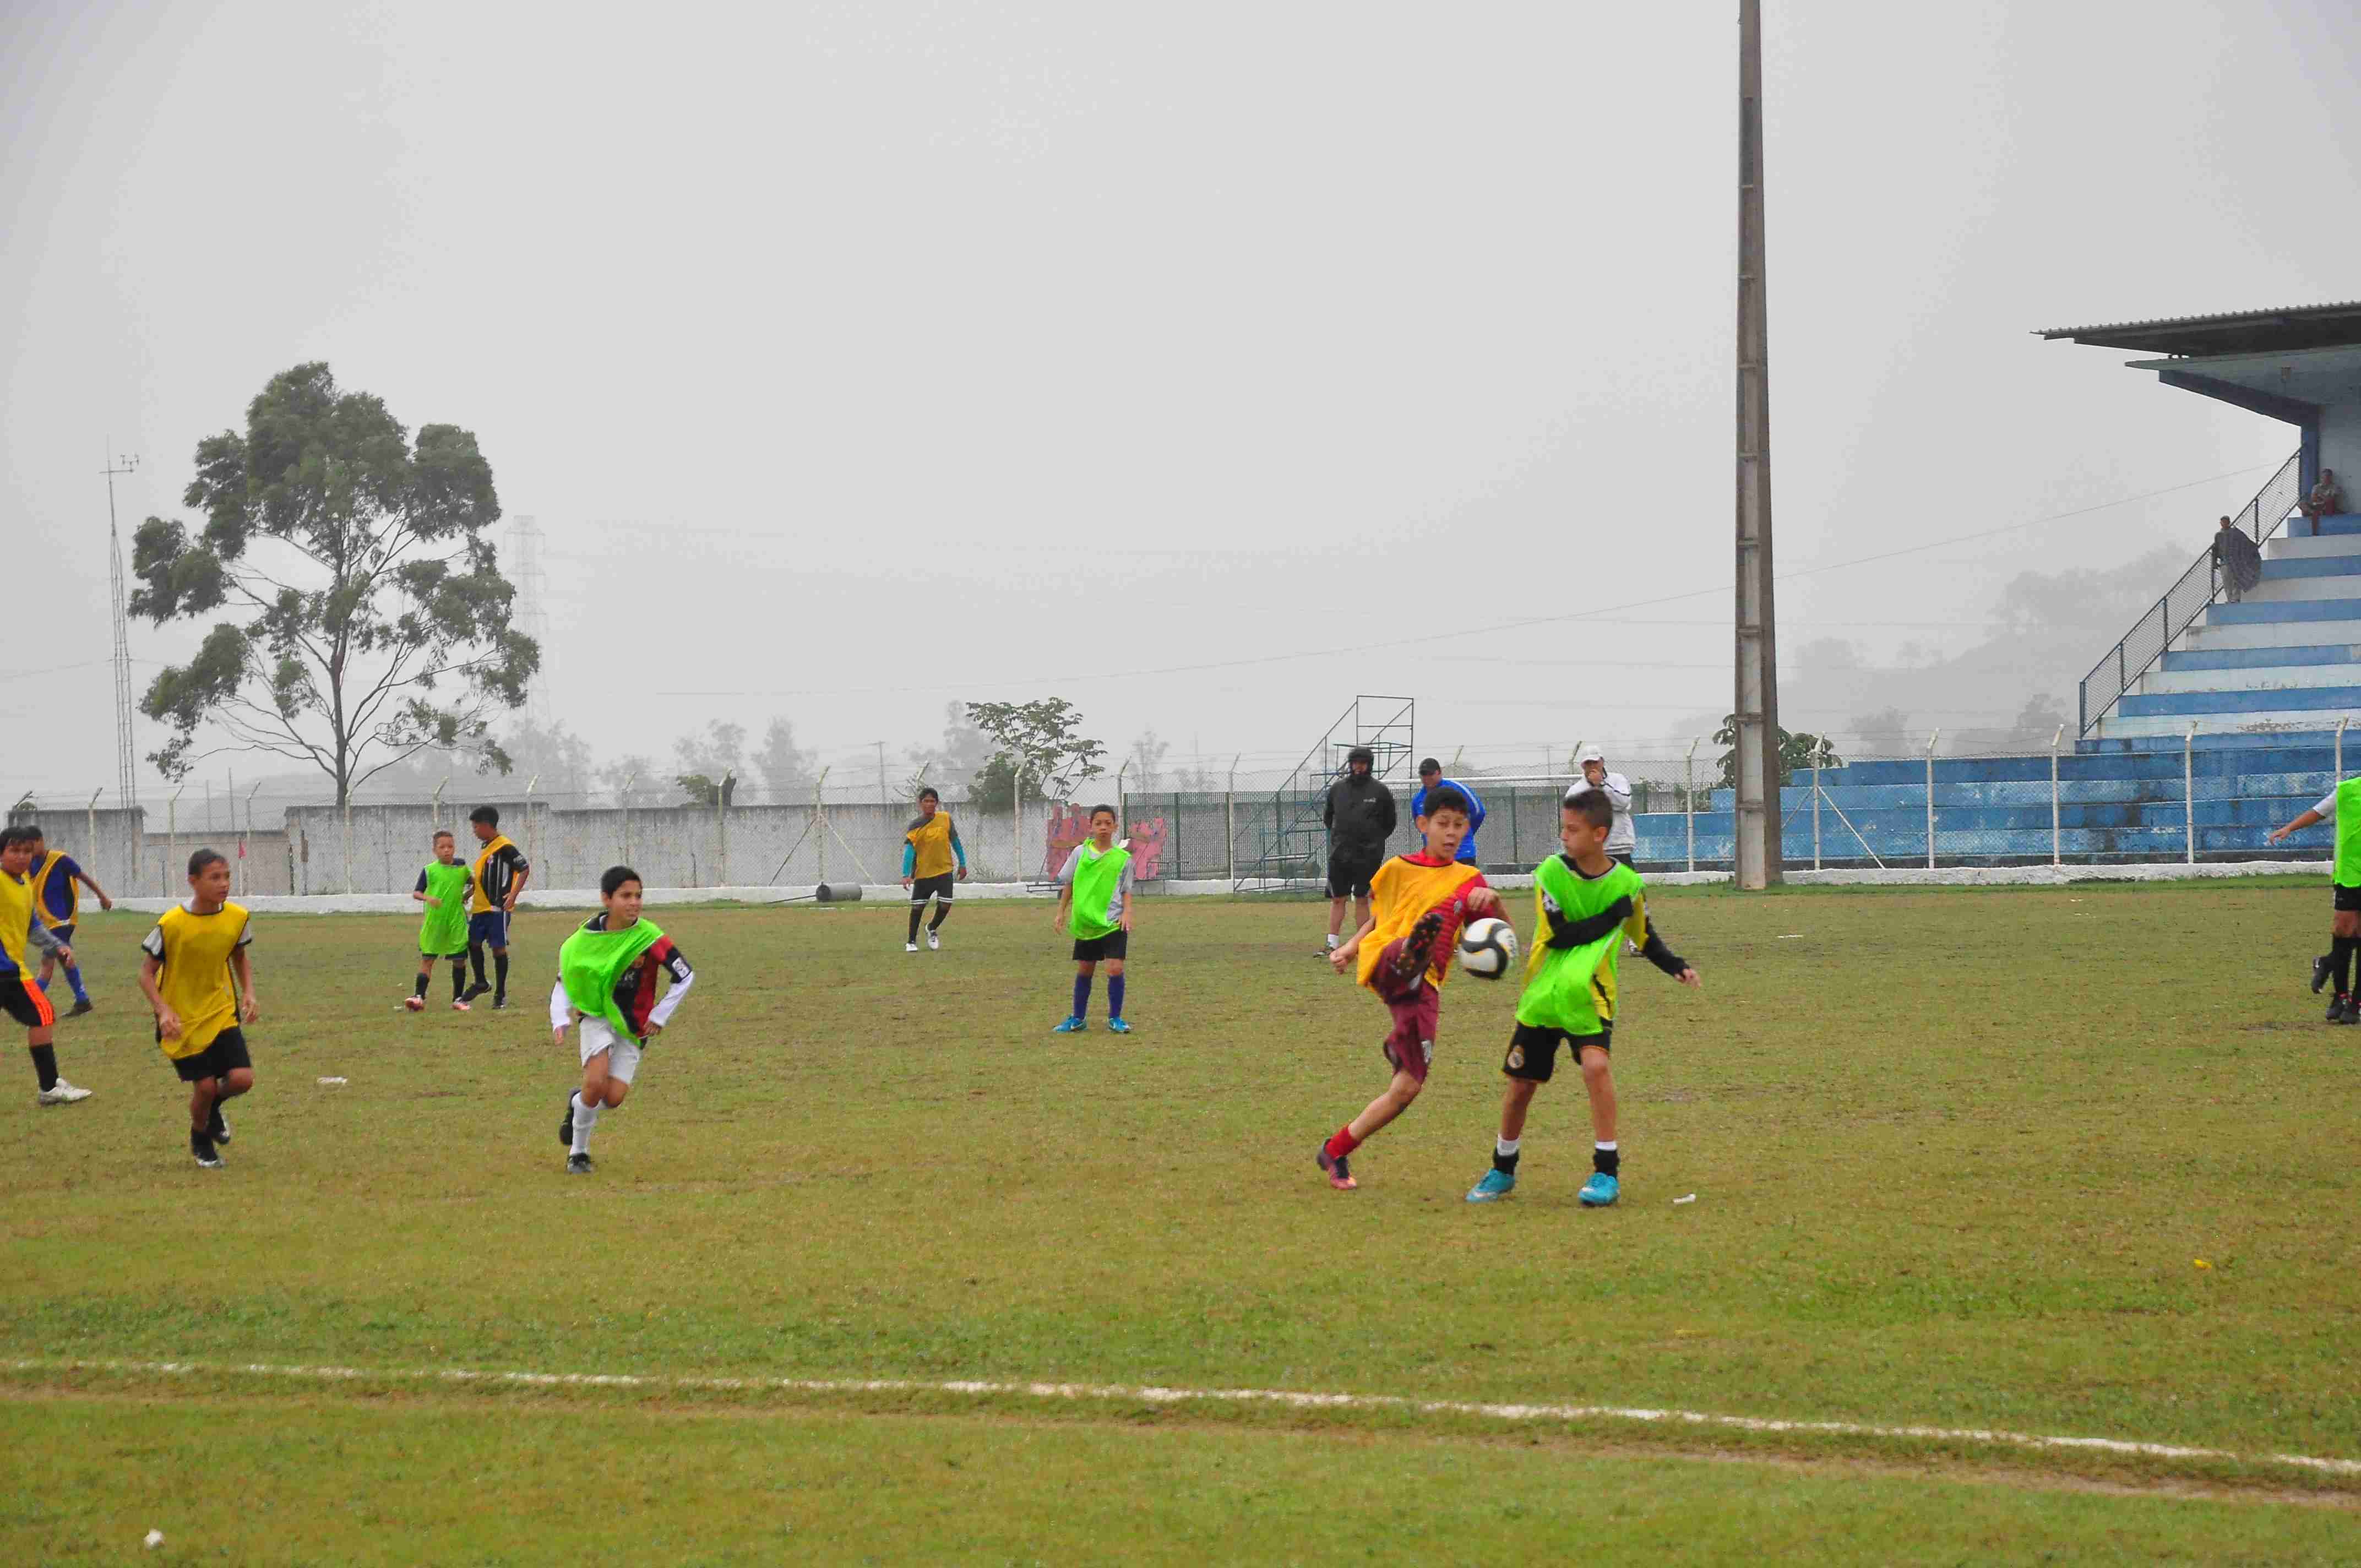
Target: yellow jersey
[[15, 920], [930, 839], [48, 890], [1405, 888], [194, 950]]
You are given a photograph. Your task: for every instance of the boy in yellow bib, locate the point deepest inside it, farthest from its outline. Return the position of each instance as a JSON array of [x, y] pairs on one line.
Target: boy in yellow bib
[[196, 948], [20, 999]]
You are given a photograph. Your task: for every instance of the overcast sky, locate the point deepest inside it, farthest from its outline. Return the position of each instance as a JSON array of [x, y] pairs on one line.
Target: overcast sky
[[859, 358]]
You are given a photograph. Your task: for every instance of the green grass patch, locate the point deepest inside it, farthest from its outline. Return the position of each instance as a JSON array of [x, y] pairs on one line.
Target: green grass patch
[[1957, 1155]]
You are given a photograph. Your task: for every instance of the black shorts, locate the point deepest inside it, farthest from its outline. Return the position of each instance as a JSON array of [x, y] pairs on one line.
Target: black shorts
[[24, 1005], [1091, 949], [925, 887], [1532, 1051], [216, 1060], [2347, 898], [1349, 871]]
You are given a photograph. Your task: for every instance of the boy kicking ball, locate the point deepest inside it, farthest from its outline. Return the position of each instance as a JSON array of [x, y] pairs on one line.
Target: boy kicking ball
[[1584, 901], [1402, 953], [443, 887], [606, 980], [192, 953]]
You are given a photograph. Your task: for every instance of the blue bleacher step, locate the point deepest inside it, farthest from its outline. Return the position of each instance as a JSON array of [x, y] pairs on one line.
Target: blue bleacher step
[[2256, 612], [2284, 699], [2335, 522], [2262, 658]]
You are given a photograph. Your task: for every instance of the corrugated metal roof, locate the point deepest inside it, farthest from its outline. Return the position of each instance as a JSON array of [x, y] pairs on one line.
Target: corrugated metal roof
[[2230, 319], [2286, 328]]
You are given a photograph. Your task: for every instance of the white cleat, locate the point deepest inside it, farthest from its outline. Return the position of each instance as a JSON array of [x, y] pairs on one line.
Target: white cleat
[[909, 946], [65, 1093], [415, 1004], [934, 943]]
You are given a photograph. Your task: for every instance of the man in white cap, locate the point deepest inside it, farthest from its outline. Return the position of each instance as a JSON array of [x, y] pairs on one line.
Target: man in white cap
[[1620, 839]]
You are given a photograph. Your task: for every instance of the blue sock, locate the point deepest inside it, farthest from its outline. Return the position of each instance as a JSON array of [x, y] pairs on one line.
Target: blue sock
[[1082, 995], [73, 978], [42, 984], [1114, 996]]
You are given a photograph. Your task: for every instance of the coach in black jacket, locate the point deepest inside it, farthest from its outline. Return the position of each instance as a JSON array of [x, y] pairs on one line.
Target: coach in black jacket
[[1359, 816]]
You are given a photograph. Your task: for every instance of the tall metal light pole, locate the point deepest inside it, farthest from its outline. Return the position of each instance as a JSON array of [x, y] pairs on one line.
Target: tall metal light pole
[[1757, 707], [126, 782]]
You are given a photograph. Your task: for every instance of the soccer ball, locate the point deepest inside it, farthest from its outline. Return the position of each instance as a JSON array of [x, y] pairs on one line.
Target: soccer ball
[[1488, 947]]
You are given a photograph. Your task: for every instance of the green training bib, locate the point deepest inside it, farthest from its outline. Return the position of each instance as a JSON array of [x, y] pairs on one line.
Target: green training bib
[[1574, 988], [591, 961], [444, 931], [2348, 834], [1096, 878]]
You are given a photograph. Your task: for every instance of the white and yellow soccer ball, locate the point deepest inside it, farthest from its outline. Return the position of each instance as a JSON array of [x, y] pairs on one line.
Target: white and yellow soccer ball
[[1488, 947]]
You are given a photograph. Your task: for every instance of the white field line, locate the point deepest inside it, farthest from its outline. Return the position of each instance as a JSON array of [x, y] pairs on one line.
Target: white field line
[[1116, 1393]]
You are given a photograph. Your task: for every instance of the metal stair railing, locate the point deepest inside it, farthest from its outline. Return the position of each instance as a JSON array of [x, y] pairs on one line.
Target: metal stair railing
[[2183, 602]]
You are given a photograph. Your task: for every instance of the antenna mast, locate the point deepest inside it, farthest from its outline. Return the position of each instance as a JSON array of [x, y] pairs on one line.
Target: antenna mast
[[126, 775], [529, 615]]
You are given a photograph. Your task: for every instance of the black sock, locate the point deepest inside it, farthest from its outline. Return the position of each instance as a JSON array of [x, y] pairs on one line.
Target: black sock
[[1506, 1164], [2340, 954], [420, 992], [458, 979], [1607, 1162], [916, 910], [943, 913], [476, 953], [500, 976], [45, 1065]]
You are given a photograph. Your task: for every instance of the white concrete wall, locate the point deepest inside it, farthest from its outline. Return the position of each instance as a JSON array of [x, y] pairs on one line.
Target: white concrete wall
[[2340, 448]]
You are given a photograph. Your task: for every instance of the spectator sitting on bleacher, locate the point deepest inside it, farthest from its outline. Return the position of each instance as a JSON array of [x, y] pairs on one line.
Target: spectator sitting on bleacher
[[2327, 498], [2239, 558]]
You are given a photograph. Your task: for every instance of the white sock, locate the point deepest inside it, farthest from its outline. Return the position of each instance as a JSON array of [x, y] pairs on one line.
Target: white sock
[[1607, 1148], [1506, 1147], [1332, 940], [585, 1118]]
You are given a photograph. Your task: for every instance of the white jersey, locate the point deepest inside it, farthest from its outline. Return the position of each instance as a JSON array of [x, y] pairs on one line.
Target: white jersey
[[1620, 837]]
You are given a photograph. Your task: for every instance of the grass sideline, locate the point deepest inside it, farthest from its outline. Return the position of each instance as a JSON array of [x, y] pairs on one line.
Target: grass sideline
[[1958, 1155]]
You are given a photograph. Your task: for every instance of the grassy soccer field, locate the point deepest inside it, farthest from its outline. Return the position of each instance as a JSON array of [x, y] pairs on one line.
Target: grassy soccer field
[[2073, 1163]]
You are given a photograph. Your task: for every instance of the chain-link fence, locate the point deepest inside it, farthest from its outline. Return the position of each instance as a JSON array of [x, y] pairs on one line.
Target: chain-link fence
[[2207, 799]]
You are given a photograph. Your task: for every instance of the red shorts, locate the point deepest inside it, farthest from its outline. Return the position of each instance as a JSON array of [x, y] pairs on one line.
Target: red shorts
[[1409, 1044]]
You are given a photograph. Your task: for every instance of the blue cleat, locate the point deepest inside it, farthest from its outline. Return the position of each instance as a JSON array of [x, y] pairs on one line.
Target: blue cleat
[[1600, 1191], [1070, 1026], [1117, 1027], [1495, 1185]]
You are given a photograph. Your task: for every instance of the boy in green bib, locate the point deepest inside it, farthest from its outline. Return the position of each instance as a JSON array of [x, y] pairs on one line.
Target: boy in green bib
[[443, 889], [2341, 806], [1096, 884], [607, 981], [1584, 903]]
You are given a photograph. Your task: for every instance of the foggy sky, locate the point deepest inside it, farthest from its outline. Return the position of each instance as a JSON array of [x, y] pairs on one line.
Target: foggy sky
[[1180, 361]]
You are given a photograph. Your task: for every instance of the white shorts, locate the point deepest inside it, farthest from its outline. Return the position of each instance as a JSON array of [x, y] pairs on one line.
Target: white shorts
[[623, 1056]]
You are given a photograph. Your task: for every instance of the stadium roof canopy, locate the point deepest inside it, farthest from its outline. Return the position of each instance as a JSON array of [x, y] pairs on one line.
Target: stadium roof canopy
[[2242, 332]]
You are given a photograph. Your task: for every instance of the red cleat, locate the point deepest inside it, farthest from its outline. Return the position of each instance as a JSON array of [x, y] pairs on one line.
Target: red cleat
[[415, 1004], [1340, 1175]]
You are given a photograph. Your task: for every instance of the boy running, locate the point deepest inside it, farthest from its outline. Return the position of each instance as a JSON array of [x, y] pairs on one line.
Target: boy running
[[1403, 953], [443, 887], [929, 850], [192, 953], [494, 882], [57, 882], [20, 999], [1096, 884], [2341, 806], [606, 980], [1583, 900]]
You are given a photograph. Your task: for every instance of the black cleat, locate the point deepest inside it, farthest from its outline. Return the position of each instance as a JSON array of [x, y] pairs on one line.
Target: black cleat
[[81, 1005], [2321, 969], [565, 1123], [202, 1147], [2352, 1011], [217, 1128], [578, 1164], [2340, 1009], [482, 988], [1417, 955], [500, 1003]]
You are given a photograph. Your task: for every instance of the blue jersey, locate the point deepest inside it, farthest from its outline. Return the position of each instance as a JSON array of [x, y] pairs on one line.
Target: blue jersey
[[1467, 845], [57, 888]]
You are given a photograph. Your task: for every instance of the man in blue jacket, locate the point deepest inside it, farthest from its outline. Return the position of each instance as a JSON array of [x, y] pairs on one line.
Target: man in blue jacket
[[1429, 774]]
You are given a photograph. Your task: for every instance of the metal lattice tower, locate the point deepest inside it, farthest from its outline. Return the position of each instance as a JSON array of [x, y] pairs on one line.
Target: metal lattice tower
[[528, 615], [127, 773]]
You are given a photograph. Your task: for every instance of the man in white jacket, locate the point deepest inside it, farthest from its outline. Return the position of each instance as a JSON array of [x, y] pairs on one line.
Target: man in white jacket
[[1620, 839]]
